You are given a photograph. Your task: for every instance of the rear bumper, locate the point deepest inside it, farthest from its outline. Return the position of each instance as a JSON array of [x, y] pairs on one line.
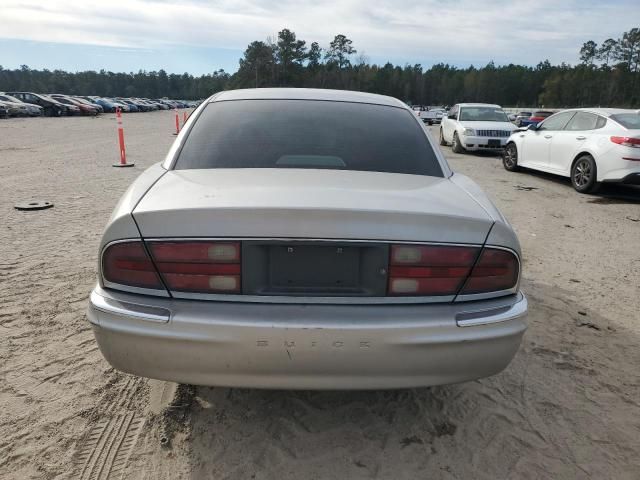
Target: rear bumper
[[306, 346], [630, 179]]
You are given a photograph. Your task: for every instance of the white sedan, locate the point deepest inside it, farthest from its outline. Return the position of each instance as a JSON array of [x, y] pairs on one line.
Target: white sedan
[[475, 126], [589, 145], [298, 238]]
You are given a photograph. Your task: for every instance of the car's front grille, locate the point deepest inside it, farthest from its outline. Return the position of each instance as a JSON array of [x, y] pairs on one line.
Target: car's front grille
[[493, 133]]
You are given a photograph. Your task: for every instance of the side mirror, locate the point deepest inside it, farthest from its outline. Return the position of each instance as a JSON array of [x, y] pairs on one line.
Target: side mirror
[[532, 126], [452, 116]]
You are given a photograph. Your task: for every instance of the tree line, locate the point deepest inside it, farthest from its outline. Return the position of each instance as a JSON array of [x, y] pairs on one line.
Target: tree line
[[607, 75]]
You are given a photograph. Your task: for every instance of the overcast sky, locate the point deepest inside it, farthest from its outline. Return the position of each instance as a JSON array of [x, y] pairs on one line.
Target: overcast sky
[[199, 36]]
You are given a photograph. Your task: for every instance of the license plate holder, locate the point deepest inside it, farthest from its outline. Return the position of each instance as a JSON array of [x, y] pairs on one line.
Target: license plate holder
[[314, 267], [494, 142]]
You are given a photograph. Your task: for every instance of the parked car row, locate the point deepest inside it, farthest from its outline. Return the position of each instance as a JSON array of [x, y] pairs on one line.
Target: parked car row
[[591, 146], [22, 104], [429, 115], [522, 119]]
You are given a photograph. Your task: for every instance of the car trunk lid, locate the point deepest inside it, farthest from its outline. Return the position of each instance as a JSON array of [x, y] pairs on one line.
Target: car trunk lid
[[310, 204]]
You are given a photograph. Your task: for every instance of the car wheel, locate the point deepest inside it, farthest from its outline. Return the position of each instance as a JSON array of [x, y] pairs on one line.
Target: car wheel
[[510, 158], [584, 175], [455, 145], [57, 112], [442, 142]]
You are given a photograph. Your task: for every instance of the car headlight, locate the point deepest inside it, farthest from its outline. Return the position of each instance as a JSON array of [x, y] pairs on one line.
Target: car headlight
[[469, 132]]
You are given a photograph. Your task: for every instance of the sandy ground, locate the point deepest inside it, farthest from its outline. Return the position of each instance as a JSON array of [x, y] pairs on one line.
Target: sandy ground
[[567, 407]]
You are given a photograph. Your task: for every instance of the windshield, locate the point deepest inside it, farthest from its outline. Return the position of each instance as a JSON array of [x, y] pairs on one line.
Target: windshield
[[482, 114], [628, 120], [9, 98], [308, 134], [48, 98]]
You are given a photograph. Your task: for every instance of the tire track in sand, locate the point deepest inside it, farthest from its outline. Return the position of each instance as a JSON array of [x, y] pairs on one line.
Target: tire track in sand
[[105, 450]]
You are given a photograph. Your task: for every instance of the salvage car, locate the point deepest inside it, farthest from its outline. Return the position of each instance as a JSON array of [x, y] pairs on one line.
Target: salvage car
[[32, 109], [589, 145], [519, 117], [51, 107], [535, 118], [313, 239], [475, 126], [15, 109], [81, 108]]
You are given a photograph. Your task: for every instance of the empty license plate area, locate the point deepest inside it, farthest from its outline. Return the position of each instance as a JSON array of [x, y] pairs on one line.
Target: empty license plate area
[[314, 268], [494, 143]]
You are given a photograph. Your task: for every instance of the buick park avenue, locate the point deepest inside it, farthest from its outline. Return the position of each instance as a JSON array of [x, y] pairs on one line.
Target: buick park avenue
[[307, 239]]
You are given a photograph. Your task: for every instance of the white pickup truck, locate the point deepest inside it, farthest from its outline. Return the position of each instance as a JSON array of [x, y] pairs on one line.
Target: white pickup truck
[[429, 115], [475, 126]]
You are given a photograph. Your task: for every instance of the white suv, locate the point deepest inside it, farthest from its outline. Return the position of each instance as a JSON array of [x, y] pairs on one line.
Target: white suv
[[475, 126]]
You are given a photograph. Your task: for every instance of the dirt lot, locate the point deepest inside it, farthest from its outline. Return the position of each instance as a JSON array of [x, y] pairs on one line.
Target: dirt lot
[[567, 407]]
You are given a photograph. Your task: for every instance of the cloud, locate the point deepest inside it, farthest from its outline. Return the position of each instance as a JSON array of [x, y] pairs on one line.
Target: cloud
[[453, 31]]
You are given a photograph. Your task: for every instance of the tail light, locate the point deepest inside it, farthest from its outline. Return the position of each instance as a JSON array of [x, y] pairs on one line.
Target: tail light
[[191, 266], [441, 270], [627, 141], [429, 269], [127, 263], [495, 270], [200, 267]]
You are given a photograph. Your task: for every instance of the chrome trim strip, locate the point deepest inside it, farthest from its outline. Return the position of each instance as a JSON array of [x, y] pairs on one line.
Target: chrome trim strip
[[493, 315], [126, 309], [296, 239], [311, 300]]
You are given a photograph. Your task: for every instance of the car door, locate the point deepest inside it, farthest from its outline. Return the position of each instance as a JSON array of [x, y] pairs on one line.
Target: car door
[[567, 143], [537, 142], [449, 123]]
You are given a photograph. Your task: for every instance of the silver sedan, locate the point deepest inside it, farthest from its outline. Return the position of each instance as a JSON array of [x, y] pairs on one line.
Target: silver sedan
[[311, 239]]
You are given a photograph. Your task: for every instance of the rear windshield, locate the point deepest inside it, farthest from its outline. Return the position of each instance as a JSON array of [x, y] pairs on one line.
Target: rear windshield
[[628, 120], [482, 114], [308, 134]]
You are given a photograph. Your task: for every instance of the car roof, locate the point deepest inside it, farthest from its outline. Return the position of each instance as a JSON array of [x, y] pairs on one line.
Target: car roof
[[306, 94], [605, 112], [492, 105]]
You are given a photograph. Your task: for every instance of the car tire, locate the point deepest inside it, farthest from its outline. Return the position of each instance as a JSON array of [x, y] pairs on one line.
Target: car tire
[[584, 174], [442, 141], [56, 112], [510, 158], [455, 144]]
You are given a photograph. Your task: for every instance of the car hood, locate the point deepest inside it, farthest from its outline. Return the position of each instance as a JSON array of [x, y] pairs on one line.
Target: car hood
[[488, 125], [297, 203]]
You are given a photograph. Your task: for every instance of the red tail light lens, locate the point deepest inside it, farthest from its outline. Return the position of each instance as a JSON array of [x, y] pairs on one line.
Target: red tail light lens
[[127, 263], [495, 270], [429, 269], [199, 267], [627, 141]]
